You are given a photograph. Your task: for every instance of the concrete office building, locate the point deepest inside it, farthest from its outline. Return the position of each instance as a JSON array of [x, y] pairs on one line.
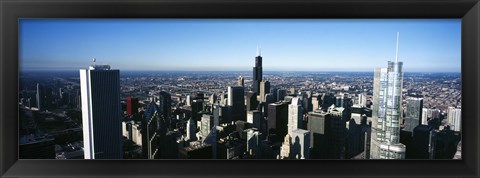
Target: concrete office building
[[307, 102], [425, 117], [207, 125], [281, 93], [212, 99], [264, 89], [295, 115], [101, 112], [255, 118], [132, 105], [237, 101], [362, 100], [300, 147], [274, 91], [136, 133], [328, 134], [454, 118], [241, 81], [197, 109], [315, 101], [40, 97], [277, 119], [285, 148], [268, 99], [253, 143], [216, 109], [191, 130]]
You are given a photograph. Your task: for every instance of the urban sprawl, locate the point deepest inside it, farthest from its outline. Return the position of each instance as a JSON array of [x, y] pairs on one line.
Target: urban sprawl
[[100, 113]]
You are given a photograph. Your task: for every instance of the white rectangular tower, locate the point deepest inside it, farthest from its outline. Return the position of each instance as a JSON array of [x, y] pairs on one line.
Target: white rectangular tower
[[295, 115], [101, 112]]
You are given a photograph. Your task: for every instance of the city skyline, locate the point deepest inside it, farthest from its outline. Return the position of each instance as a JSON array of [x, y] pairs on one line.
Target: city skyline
[[316, 116], [229, 45], [285, 115]]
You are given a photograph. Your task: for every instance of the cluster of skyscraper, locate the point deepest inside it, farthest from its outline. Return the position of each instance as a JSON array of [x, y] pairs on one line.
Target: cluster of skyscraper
[[257, 122]]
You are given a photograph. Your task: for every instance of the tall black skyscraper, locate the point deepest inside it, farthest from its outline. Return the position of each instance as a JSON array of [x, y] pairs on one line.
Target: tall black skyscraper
[[150, 130], [165, 108], [236, 100], [423, 144], [252, 102], [277, 120], [101, 112], [328, 134], [257, 73]]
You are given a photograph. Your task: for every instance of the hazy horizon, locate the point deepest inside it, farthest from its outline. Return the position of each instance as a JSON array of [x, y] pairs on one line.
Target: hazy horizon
[[232, 71]]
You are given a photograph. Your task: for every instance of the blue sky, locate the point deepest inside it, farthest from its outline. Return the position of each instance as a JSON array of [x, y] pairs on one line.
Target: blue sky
[[231, 44]]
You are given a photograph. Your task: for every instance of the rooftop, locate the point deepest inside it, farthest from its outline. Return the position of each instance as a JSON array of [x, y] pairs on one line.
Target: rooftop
[[99, 67]]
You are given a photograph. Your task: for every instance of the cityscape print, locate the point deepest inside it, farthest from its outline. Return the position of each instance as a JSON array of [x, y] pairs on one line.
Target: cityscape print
[[239, 89]]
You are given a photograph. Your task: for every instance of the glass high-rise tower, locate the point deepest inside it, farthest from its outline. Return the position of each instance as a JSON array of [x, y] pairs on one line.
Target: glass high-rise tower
[[413, 113], [386, 112]]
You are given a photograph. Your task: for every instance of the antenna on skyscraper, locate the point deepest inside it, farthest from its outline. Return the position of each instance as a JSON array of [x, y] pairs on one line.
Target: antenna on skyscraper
[[396, 51], [93, 59], [259, 51]]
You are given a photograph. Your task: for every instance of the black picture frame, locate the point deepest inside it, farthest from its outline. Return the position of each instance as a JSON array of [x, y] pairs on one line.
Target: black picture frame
[[11, 11]]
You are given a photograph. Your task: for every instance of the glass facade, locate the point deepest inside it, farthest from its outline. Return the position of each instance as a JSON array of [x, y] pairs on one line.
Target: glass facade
[[387, 101]]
